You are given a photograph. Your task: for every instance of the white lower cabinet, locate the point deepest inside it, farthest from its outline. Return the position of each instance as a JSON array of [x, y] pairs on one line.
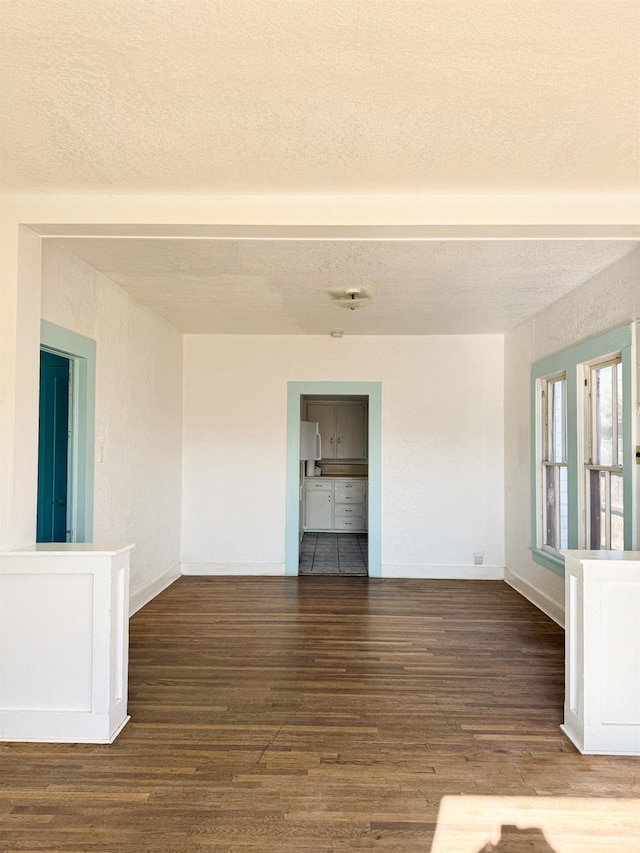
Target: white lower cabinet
[[317, 510], [335, 504], [350, 506]]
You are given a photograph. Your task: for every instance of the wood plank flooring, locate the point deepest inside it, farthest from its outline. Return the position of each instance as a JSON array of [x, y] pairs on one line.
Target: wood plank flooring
[[326, 714]]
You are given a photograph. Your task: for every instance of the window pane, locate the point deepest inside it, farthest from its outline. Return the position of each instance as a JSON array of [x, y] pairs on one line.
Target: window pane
[[603, 510], [603, 416], [619, 414], [551, 527], [617, 513], [556, 420], [597, 511], [564, 509]]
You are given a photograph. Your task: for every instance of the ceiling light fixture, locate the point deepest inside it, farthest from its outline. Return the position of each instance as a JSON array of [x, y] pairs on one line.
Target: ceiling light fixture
[[352, 298]]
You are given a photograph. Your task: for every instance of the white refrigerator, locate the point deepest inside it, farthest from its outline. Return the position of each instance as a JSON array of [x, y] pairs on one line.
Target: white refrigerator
[[310, 444]]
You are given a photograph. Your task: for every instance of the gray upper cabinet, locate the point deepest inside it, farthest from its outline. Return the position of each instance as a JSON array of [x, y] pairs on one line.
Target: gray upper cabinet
[[343, 429]]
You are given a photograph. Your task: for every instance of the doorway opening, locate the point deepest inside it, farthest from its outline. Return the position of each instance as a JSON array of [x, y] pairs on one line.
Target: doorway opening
[[65, 436], [333, 487], [52, 522]]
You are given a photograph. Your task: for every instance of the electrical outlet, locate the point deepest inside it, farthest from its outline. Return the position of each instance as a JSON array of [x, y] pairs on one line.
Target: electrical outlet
[[478, 559]]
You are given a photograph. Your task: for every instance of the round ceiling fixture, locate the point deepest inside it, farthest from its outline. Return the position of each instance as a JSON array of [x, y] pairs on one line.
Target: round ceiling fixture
[[351, 298]]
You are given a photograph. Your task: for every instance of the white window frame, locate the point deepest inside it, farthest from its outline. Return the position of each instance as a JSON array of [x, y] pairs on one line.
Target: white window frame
[[588, 416], [573, 362], [543, 463]]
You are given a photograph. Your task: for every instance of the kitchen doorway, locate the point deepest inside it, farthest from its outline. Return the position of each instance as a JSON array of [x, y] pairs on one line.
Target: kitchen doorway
[[333, 485], [333, 512]]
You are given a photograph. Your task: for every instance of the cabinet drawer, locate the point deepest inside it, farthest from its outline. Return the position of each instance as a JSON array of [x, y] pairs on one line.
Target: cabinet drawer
[[353, 524], [350, 488], [346, 498], [349, 511], [318, 485]]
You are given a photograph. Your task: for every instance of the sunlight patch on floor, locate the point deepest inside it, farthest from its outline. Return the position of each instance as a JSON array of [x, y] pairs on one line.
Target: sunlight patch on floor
[[479, 824]]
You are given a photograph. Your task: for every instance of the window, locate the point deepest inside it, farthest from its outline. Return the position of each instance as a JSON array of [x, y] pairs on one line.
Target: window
[[603, 464], [553, 479], [581, 435]]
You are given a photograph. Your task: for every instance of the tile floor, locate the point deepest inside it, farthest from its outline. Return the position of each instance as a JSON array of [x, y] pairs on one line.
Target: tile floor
[[333, 554]]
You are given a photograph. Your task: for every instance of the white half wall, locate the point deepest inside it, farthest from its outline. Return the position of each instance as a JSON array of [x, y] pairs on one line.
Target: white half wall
[[607, 301], [138, 454], [442, 447]]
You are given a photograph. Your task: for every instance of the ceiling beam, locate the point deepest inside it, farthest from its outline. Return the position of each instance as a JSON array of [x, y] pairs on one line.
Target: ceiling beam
[[331, 217]]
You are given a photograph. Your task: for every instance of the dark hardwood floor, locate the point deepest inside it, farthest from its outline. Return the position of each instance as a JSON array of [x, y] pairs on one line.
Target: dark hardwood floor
[[326, 714]]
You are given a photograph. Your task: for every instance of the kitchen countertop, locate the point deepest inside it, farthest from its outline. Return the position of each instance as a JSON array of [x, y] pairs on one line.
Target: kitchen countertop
[[339, 477]]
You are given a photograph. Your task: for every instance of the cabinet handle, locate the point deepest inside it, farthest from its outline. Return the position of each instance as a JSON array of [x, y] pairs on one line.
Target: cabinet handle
[[339, 440], [331, 440], [348, 510]]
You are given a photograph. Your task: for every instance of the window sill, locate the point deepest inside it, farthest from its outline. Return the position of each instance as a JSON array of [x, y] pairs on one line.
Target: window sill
[[549, 561]]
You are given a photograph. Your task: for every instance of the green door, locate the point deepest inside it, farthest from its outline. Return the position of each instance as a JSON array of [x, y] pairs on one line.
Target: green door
[[53, 448]]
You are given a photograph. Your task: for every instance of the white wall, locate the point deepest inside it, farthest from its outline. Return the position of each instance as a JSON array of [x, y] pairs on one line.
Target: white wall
[[19, 386], [607, 301], [138, 412], [461, 215], [442, 445]]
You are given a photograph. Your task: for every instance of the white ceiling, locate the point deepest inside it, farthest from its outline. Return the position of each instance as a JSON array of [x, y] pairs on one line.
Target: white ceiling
[[282, 286], [382, 98], [320, 96]]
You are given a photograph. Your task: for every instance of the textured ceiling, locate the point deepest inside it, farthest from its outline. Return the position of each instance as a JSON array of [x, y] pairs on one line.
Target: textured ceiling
[[283, 286], [320, 96]]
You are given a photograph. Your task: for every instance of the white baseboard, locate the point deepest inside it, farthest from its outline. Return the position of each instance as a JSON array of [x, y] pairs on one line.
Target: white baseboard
[[554, 609], [232, 569], [436, 572], [24, 726], [143, 596]]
